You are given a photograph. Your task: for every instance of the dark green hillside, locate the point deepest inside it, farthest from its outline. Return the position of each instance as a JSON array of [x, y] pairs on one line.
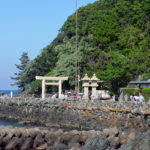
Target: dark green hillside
[[114, 43]]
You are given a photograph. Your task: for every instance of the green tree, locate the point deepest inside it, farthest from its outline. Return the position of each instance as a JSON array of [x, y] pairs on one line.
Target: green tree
[[116, 70], [20, 76]]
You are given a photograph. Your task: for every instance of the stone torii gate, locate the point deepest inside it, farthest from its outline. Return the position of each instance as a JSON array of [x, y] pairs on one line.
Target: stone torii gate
[[59, 83]]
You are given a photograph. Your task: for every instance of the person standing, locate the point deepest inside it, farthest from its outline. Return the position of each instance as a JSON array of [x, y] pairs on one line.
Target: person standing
[[116, 97], [141, 97], [62, 96], [126, 97]]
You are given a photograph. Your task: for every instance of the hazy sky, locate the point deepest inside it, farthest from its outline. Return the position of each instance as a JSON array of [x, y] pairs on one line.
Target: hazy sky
[[28, 26]]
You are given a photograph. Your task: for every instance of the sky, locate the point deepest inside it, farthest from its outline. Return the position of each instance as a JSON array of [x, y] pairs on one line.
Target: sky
[[28, 26]]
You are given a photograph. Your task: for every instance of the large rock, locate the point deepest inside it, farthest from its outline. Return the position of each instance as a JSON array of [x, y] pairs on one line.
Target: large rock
[[110, 132], [58, 147], [114, 132], [141, 142], [106, 132], [114, 142], [131, 136], [123, 138], [27, 144], [96, 143]]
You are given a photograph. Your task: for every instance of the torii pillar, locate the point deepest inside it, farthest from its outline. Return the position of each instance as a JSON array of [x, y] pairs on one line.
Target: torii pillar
[[44, 83], [43, 88]]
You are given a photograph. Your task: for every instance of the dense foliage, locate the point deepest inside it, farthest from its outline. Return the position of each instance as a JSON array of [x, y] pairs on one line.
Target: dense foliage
[[114, 43], [146, 93]]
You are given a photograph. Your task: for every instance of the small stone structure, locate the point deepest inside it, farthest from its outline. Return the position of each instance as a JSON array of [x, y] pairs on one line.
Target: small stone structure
[[90, 83], [94, 85], [59, 83], [86, 86]]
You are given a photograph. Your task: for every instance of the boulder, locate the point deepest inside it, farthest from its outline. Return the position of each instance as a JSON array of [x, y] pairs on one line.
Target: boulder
[[58, 147], [123, 137], [141, 142], [50, 142], [91, 133], [27, 144], [75, 139], [50, 136], [106, 132], [12, 143], [5, 141], [38, 142], [114, 132], [114, 142], [42, 147], [59, 132], [131, 136], [76, 146], [74, 132], [96, 143]]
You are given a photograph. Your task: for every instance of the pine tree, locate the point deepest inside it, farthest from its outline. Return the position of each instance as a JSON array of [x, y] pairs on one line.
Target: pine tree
[[19, 77]]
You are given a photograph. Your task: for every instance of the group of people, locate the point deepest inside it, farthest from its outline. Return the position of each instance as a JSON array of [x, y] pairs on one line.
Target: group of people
[[70, 96], [135, 98]]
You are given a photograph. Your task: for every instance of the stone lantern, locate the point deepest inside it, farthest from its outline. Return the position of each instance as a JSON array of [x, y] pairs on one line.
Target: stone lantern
[[86, 85], [94, 85]]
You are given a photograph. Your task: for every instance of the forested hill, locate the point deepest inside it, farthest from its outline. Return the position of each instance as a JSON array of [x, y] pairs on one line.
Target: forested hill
[[114, 43]]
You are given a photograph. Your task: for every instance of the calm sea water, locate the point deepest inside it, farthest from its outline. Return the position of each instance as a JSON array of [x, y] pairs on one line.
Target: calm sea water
[[7, 92], [9, 123]]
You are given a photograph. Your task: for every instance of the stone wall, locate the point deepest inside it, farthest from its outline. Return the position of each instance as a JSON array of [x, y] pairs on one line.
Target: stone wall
[[87, 115]]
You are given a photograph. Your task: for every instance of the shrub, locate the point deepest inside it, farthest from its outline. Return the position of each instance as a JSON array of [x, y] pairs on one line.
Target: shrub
[[35, 87], [146, 93]]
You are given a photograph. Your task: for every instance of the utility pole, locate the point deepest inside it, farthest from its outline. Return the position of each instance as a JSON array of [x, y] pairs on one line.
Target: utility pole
[[76, 53]]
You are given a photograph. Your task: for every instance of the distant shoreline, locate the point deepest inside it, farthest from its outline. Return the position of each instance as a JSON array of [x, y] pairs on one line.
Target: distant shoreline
[[7, 92]]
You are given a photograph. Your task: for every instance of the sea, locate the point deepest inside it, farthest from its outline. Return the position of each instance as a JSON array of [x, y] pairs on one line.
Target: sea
[[6, 122], [9, 123], [8, 92]]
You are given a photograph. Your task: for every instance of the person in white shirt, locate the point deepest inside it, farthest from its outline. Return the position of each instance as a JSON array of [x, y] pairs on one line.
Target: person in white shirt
[[126, 97], [141, 97], [62, 96], [136, 99]]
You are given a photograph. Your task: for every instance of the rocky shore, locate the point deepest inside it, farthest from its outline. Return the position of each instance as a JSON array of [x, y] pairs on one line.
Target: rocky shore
[[79, 115], [75, 125]]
